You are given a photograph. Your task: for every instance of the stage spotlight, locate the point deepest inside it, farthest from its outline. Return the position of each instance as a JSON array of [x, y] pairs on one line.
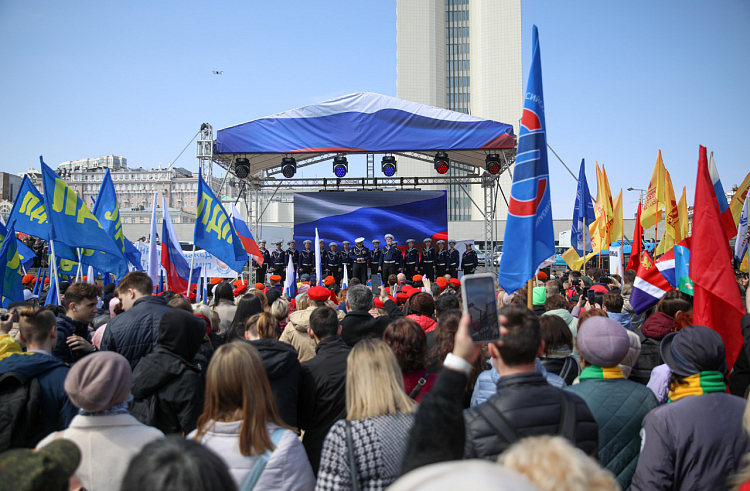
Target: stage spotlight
[[288, 167], [442, 164], [493, 163], [242, 167], [388, 165], [340, 166]]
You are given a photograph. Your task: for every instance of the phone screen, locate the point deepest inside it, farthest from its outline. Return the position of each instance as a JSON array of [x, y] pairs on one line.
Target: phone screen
[[478, 292], [376, 282], [592, 297]]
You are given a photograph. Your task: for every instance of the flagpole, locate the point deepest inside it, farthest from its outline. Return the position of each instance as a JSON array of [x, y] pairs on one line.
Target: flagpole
[[530, 295], [192, 261], [78, 272], [54, 266], [584, 246]]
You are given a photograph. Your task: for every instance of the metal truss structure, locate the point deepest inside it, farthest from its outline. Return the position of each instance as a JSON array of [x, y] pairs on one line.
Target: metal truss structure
[[253, 185]]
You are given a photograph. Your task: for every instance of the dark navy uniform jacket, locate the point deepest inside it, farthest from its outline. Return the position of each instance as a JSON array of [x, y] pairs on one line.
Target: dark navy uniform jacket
[[469, 259], [266, 258], [346, 257], [306, 258], [358, 253], [294, 254], [443, 258], [428, 256], [454, 256], [278, 257], [392, 253], [332, 260], [411, 256], [375, 256]]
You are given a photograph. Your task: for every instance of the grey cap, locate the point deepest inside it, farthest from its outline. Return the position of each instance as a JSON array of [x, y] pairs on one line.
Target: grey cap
[[290, 242], [410, 240], [452, 241], [346, 242], [602, 341], [389, 236], [441, 242], [332, 244], [376, 241], [262, 241], [279, 242], [427, 240], [307, 242]]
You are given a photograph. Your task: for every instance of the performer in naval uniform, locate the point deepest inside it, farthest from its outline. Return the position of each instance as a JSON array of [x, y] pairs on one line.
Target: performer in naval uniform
[[360, 257], [346, 260], [261, 271], [443, 258], [469, 260], [293, 253], [332, 263], [454, 259], [307, 259], [277, 261], [390, 260], [411, 260], [427, 261], [375, 255]]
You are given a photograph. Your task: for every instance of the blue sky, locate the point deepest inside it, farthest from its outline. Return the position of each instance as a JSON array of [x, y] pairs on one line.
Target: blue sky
[[621, 79]]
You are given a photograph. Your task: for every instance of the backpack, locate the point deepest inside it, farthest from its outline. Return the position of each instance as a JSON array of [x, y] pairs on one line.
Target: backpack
[[20, 411]]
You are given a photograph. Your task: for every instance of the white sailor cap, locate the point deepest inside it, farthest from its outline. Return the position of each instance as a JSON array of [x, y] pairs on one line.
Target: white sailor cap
[[389, 236], [345, 242], [307, 241], [452, 241], [427, 240], [262, 241], [279, 242], [332, 244], [410, 240], [376, 241], [359, 239], [290, 242], [441, 242]]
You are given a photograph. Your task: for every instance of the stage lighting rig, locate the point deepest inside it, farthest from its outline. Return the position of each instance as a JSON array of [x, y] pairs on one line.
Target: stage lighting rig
[[288, 167], [492, 162], [340, 165], [242, 167], [442, 164], [388, 165]]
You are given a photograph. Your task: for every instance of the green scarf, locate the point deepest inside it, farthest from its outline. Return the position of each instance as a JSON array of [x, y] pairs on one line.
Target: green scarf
[[595, 372], [698, 384]]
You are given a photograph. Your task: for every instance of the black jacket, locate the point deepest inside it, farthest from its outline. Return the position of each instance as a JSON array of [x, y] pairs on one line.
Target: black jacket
[[133, 333], [322, 394], [356, 326], [444, 431], [167, 385], [67, 327], [532, 407], [283, 370], [649, 358]]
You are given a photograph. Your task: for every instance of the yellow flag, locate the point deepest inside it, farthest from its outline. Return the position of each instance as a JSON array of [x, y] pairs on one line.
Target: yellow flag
[[574, 261], [603, 206], [671, 215], [616, 229], [744, 266], [655, 196], [738, 200], [682, 213], [665, 244]]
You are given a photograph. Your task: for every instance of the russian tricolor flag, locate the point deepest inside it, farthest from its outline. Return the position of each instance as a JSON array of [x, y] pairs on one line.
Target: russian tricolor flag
[[173, 260], [243, 232], [649, 285], [727, 220]]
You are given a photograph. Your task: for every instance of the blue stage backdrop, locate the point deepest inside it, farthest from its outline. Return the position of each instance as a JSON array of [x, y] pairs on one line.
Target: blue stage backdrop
[[371, 214]]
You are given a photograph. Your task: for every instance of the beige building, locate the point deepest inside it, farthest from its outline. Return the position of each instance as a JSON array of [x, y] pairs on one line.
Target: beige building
[[465, 57]]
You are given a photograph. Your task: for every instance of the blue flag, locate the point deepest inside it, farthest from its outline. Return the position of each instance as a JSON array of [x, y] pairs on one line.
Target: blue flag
[[51, 293], [29, 214], [11, 286], [214, 230], [578, 233], [529, 235], [107, 211], [70, 220], [27, 255]]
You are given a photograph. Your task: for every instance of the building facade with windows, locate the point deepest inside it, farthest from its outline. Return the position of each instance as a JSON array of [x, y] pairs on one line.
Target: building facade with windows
[[466, 57]]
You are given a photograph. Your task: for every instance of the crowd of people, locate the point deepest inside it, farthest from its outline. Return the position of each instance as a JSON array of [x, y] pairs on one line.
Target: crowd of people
[[352, 389]]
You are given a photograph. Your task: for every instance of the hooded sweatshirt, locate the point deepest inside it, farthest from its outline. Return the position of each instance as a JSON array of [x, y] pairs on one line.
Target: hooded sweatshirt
[[654, 329], [167, 385], [623, 318], [572, 323], [57, 410], [283, 370]]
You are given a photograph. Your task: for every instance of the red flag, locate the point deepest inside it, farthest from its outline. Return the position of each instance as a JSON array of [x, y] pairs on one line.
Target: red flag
[[637, 248], [717, 301]]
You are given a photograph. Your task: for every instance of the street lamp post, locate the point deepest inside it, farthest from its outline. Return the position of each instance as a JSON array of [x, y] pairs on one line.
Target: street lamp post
[[640, 194]]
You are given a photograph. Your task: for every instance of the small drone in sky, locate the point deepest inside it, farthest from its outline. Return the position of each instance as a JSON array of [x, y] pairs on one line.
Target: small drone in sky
[[217, 73]]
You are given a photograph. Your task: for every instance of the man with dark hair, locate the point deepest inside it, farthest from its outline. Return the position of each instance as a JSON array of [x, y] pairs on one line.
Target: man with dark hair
[[525, 403], [358, 324], [612, 304], [73, 338], [629, 276], [38, 330], [133, 333], [322, 393], [443, 303]]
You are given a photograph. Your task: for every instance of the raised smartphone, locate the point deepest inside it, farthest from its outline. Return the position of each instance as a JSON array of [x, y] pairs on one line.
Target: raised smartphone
[[479, 301]]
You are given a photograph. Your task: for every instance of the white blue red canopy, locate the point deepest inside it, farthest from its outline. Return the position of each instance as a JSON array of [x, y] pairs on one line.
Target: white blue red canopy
[[364, 122]]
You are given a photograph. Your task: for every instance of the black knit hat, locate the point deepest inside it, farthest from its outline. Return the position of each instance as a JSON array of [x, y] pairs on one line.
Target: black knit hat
[[694, 349]]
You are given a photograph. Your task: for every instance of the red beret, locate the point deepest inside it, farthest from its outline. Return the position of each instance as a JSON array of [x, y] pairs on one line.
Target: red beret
[[406, 288], [378, 303], [416, 277], [414, 291], [260, 286], [455, 282], [541, 275], [329, 281], [319, 293], [28, 278], [240, 290], [46, 281], [239, 282], [306, 283], [275, 277], [401, 297], [442, 283], [192, 297], [293, 302], [215, 280]]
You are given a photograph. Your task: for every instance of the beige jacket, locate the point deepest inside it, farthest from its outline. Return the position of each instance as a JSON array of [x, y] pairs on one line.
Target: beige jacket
[[107, 444], [296, 334], [226, 310]]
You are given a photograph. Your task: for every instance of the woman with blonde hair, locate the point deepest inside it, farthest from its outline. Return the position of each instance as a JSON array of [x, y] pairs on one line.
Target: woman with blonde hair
[[240, 423], [368, 447]]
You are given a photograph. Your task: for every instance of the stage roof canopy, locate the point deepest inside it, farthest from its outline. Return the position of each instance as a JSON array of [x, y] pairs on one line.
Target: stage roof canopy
[[363, 122]]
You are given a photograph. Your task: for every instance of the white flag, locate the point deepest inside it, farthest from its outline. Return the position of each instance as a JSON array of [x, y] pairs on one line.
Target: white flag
[[345, 281], [153, 250], [318, 266]]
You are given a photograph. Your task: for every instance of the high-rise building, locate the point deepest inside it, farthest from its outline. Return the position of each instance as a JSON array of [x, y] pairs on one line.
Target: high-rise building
[[464, 56]]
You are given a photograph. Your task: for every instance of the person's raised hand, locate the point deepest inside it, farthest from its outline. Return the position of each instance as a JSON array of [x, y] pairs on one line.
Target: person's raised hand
[[383, 294], [463, 345], [426, 283], [6, 323]]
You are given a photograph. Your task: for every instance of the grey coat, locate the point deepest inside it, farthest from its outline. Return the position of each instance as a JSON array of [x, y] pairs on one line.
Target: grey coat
[[695, 443]]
